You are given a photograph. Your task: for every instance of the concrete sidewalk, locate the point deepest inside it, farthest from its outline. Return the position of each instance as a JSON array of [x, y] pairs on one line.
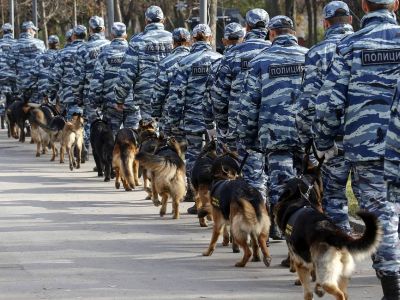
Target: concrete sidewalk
[[69, 235]]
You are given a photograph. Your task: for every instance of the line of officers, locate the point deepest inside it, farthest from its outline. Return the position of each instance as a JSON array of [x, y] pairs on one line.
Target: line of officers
[[266, 97]]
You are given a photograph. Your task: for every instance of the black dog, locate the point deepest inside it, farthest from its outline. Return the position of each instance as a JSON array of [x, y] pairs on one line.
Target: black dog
[[17, 114], [102, 141], [317, 244]]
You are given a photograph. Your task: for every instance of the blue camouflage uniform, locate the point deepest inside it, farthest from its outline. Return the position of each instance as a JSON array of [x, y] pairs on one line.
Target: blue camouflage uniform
[[104, 79], [266, 118], [359, 88], [21, 59], [140, 65], [187, 94], [85, 59], [166, 73], [233, 32], [6, 43], [63, 73], [318, 61], [227, 89], [43, 68]]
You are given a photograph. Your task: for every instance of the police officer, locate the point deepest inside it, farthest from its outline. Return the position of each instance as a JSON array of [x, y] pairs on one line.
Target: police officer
[[187, 93], [22, 58], [337, 20], [166, 74], [233, 35], [392, 177], [227, 88], [266, 118], [86, 57], [357, 94], [140, 65], [64, 70], [104, 79], [43, 68], [6, 42]]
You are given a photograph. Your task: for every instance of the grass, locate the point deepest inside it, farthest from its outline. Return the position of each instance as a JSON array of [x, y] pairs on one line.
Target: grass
[[353, 204]]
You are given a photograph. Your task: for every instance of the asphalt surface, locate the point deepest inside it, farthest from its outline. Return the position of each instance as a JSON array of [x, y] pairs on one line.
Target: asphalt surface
[[69, 235]]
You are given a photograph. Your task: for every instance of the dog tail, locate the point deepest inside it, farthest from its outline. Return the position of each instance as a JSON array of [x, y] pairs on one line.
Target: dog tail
[[127, 158], [368, 243], [155, 163], [249, 211]]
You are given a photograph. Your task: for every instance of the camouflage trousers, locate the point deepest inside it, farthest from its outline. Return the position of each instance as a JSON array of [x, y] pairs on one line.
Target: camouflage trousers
[[335, 174], [194, 146], [90, 115], [281, 168], [368, 183], [116, 119], [254, 169]]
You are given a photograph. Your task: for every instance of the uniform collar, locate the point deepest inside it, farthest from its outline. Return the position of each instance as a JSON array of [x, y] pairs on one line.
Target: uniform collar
[[200, 46], [227, 48], [119, 41], [378, 17], [339, 29], [96, 36], [259, 34], [26, 35], [285, 40], [77, 42], [154, 26], [181, 49], [8, 36]]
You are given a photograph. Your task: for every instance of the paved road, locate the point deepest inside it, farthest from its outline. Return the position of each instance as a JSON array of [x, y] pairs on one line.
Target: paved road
[[69, 235]]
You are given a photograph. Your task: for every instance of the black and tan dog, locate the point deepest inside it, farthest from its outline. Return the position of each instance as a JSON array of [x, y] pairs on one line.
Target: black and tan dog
[[168, 174], [124, 161], [316, 244], [202, 177], [234, 202], [16, 115], [102, 142], [149, 141]]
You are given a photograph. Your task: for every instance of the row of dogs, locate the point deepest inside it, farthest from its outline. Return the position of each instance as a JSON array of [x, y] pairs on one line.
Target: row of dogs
[[318, 249]]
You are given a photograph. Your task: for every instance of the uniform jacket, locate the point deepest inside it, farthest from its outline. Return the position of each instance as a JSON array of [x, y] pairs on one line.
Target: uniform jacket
[[266, 117], [318, 61], [43, 70], [360, 88], [188, 90], [140, 66], [86, 57], [6, 77]]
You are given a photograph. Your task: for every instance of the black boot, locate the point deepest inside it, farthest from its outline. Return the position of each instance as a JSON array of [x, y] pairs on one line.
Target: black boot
[[192, 210], [274, 232], [390, 286], [85, 155], [189, 193]]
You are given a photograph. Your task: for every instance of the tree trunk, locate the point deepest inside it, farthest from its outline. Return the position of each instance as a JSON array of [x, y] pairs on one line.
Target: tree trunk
[[213, 21], [273, 7], [310, 34], [315, 22], [44, 21], [118, 14]]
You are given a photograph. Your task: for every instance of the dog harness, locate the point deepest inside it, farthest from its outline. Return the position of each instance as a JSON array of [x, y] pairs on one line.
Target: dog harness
[[219, 200], [293, 218]]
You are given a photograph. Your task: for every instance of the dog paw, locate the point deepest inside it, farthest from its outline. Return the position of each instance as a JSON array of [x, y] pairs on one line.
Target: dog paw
[[37, 154], [71, 168], [128, 189], [225, 243], [319, 291], [157, 203], [147, 198], [267, 261], [162, 213], [297, 282], [240, 264], [256, 259], [207, 253], [235, 250], [117, 185], [107, 179]]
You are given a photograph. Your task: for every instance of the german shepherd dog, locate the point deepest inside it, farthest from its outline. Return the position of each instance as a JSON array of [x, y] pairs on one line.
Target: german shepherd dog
[[16, 115], [168, 174], [72, 139], [316, 244], [102, 141], [40, 119], [149, 141], [236, 203], [124, 161], [202, 178]]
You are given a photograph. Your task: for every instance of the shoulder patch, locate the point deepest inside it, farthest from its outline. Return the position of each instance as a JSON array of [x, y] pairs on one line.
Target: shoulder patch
[[288, 70], [200, 70], [380, 57], [116, 60], [93, 54], [156, 48], [244, 64]]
